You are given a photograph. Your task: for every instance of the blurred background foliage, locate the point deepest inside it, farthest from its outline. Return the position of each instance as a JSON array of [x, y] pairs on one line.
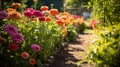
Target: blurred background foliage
[[75, 3], [58, 4]]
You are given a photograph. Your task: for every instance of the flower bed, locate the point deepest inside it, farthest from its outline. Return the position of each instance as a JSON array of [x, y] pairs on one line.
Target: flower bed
[[29, 38]]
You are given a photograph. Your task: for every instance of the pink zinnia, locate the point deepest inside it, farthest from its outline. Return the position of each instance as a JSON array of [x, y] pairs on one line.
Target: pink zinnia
[[13, 46], [29, 12], [17, 37], [38, 13], [10, 29], [35, 47]]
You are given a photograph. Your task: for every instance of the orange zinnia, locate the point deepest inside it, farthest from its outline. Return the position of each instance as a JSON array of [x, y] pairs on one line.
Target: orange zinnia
[[14, 15], [54, 12], [16, 5], [47, 19], [44, 8], [10, 9], [60, 22]]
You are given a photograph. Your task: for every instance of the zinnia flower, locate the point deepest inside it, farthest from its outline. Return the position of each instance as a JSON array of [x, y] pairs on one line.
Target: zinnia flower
[[32, 61], [25, 55], [47, 19], [3, 14], [54, 12], [29, 12], [16, 5], [44, 8], [35, 47], [60, 22], [13, 46], [14, 15], [41, 18], [17, 37], [38, 13], [10, 9], [10, 29]]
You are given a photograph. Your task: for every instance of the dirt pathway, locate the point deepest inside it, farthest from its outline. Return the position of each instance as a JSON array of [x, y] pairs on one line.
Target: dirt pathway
[[69, 54]]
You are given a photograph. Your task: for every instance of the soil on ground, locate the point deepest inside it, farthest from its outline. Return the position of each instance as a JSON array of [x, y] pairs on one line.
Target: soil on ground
[[70, 53]]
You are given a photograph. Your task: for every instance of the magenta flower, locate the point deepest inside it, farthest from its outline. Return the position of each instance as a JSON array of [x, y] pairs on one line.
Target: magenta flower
[[17, 37], [10, 29], [29, 12], [35, 47], [38, 13], [3, 14]]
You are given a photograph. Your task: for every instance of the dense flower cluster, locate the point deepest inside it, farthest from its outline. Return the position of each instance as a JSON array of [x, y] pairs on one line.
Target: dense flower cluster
[[13, 32], [47, 27], [30, 12]]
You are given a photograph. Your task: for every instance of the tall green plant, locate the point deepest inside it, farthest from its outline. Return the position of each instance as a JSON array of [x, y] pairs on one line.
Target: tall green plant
[[106, 10], [105, 48]]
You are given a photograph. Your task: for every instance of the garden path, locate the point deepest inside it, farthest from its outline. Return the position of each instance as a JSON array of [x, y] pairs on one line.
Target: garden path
[[69, 54]]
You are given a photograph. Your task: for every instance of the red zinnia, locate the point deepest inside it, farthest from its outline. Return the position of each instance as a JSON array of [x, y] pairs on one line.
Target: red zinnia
[[41, 18], [13, 46], [32, 61], [47, 19], [54, 12], [44, 8]]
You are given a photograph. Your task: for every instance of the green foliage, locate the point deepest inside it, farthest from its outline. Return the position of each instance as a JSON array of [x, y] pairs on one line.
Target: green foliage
[[105, 48], [71, 33], [81, 27], [47, 35], [107, 11], [75, 3]]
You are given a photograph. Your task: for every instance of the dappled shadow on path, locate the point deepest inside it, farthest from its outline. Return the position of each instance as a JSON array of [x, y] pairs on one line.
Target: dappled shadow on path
[[69, 54]]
